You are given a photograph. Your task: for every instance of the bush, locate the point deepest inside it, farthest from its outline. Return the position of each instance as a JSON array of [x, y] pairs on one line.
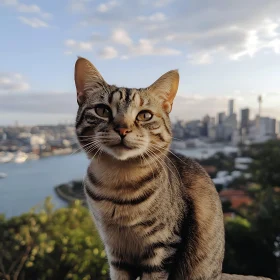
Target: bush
[[60, 244]]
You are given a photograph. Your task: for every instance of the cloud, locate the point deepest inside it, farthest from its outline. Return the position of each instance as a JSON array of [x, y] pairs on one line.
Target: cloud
[[108, 52], [149, 47], [264, 37], [201, 33], [12, 82], [120, 36], [104, 8], [78, 46], [26, 8], [34, 22]]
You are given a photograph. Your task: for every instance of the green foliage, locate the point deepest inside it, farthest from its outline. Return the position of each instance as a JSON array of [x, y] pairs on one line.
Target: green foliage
[[221, 161], [63, 244], [51, 244], [266, 165], [251, 242]]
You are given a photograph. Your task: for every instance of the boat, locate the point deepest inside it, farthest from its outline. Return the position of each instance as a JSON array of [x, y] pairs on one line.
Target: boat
[[6, 157], [3, 175], [20, 157]]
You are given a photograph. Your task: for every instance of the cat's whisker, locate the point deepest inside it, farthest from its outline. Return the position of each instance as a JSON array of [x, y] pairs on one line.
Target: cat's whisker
[[165, 155], [164, 163], [80, 148]]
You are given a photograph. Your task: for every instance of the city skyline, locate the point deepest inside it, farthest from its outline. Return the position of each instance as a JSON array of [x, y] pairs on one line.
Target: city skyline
[[221, 53]]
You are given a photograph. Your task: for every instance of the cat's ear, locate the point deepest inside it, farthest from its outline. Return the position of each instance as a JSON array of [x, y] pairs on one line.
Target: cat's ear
[[86, 74], [166, 88]]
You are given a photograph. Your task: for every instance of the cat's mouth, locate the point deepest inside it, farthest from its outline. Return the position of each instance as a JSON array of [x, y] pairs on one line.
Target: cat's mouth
[[121, 145]]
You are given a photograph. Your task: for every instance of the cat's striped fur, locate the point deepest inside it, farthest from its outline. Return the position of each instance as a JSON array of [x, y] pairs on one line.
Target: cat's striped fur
[[158, 213]]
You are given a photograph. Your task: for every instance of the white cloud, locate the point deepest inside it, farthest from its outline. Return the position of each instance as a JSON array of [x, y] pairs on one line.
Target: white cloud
[[156, 17], [78, 46], [264, 37], [23, 8], [108, 52], [192, 27], [12, 82], [120, 36], [34, 22], [104, 8], [26, 8], [124, 46], [149, 47]]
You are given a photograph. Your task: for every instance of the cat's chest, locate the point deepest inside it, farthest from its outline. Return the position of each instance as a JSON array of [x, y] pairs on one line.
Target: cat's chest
[[110, 208]]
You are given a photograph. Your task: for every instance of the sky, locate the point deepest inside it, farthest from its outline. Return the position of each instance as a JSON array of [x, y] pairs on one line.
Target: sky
[[223, 49]]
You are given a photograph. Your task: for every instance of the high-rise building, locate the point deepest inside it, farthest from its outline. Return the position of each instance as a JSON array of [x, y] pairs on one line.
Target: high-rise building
[[221, 117], [231, 107], [244, 126], [267, 127]]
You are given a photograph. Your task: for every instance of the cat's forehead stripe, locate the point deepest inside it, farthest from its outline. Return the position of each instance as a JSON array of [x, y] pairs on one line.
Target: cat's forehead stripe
[[111, 95], [122, 97]]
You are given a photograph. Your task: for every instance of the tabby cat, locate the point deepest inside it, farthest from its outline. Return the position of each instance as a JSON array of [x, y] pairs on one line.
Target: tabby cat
[[158, 213]]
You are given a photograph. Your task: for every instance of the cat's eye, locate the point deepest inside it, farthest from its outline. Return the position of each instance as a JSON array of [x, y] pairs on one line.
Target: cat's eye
[[103, 111], [144, 116]]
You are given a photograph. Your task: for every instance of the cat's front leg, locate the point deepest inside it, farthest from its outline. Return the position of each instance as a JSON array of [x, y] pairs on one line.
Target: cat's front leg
[[121, 270], [155, 276], [118, 274]]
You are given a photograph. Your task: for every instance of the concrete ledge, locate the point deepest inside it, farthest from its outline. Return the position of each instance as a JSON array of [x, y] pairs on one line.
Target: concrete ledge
[[242, 277]]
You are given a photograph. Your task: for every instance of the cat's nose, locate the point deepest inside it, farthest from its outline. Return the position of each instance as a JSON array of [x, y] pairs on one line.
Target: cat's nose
[[122, 131]]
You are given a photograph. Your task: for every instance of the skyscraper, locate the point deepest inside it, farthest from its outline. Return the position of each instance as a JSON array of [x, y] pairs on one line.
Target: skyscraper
[[231, 107], [221, 117], [245, 120]]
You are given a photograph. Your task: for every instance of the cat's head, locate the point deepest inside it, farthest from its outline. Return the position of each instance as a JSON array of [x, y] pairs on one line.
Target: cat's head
[[124, 123]]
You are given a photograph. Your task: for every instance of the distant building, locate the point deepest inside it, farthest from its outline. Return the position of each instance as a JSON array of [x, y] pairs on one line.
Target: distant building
[[212, 135], [267, 126], [263, 129], [205, 125], [230, 125], [231, 107], [244, 125], [221, 117]]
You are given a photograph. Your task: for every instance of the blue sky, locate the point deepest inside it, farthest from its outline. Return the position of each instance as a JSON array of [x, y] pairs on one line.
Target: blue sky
[[229, 49]]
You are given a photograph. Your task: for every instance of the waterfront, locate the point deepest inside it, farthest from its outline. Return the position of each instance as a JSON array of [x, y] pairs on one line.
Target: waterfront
[[29, 183]]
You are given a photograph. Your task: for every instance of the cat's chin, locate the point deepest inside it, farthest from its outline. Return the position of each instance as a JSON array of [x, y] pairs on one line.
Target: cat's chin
[[123, 153]]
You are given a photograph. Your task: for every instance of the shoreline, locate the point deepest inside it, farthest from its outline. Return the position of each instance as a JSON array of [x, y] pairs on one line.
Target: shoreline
[[67, 194], [44, 156]]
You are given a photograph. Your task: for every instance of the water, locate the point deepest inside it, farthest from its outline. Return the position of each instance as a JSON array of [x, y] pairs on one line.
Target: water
[[29, 183], [208, 151]]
